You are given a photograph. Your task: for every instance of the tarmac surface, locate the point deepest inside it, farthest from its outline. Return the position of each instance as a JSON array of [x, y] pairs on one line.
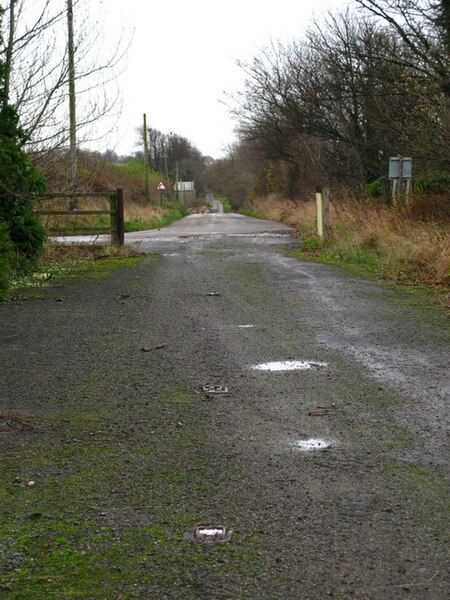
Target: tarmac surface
[[223, 383]]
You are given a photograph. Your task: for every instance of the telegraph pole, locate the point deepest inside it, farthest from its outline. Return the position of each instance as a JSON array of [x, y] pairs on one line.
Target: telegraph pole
[[72, 108], [166, 169], [147, 191], [10, 47]]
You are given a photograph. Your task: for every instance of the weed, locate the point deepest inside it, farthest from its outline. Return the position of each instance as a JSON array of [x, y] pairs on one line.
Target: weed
[[59, 263], [251, 212]]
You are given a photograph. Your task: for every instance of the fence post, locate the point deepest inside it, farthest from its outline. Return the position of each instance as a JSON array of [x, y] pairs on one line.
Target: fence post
[[114, 218], [117, 217], [120, 217]]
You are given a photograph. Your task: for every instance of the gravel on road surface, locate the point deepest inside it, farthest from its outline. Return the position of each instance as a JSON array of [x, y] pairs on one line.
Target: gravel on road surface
[[222, 383]]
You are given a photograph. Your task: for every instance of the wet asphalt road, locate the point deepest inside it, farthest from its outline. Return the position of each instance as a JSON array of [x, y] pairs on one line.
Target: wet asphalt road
[[384, 394], [366, 515]]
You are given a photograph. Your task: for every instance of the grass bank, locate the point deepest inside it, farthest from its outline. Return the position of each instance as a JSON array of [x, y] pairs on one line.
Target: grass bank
[[17, 275], [404, 246], [138, 215], [60, 263]]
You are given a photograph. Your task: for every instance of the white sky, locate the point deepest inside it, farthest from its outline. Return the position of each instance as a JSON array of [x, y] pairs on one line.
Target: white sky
[[182, 60]]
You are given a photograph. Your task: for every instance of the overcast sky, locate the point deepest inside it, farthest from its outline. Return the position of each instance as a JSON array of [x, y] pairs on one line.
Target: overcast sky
[[182, 60]]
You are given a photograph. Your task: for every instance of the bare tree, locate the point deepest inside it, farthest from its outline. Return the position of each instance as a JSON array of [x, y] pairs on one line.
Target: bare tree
[[424, 27], [36, 56], [340, 101], [165, 150]]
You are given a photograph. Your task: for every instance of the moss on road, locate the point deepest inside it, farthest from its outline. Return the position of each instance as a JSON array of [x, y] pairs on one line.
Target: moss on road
[[110, 452]]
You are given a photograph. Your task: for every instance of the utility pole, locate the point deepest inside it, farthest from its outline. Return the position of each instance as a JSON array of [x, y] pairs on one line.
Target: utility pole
[[10, 47], [166, 169], [72, 108], [147, 191]]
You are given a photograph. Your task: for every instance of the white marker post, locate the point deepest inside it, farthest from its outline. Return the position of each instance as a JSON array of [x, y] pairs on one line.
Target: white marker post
[[323, 211], [319, 207]]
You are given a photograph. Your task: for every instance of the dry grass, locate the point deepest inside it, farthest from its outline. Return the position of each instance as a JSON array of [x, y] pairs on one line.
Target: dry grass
[[396, 244], [141, 212], [134, 211], [54, 253]]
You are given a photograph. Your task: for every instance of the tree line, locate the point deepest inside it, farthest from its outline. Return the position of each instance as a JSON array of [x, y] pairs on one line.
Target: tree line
[[171, 154], [368, 83]]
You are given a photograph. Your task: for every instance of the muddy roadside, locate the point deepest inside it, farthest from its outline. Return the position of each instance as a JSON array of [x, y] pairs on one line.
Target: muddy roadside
[[112, 452]]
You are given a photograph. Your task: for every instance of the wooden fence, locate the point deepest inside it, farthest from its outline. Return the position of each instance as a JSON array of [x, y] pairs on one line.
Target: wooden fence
[[116, 227]]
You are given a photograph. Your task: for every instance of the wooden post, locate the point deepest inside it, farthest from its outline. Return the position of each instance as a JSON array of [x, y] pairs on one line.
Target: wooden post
[[72, 108], [166, 170], [319, 207], [120, 217], [8, 65], [113, 204], [395, 193]]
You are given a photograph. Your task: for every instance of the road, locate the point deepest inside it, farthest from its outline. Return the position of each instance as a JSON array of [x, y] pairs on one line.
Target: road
[[320, 443], [216, 224]]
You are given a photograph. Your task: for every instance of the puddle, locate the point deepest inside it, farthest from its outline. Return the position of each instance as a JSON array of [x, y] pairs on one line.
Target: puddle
[[313, 444], [209, 533], [289, 365], [215, 389]]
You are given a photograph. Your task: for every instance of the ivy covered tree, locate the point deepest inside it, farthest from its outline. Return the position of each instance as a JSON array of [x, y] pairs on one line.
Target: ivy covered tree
[[19, 180]]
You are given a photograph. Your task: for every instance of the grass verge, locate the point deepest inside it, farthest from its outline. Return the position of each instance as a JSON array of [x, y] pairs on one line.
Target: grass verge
[[106, 514], [138, 215], [59, 263], [252, 212], [165, 216], [372, 240]]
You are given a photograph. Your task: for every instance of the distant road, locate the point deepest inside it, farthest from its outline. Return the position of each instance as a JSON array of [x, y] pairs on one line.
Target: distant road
[[195, 225], [213, 224]]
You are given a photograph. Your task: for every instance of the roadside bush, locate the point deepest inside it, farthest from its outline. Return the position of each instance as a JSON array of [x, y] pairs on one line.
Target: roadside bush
[[18, 182], [227, 208], [28, 235], [375, 188], [250, 212], [437, 182]]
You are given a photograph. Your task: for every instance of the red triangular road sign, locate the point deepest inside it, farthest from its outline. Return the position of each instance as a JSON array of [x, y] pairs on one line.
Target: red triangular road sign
[[161, 185]]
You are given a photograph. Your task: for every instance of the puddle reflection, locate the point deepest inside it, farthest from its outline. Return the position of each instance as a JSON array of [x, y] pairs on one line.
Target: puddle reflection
[[289, 365], [313, 444]]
